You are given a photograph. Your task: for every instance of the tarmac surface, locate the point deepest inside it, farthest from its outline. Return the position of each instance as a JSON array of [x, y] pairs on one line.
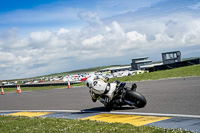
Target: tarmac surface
[[177, 101]]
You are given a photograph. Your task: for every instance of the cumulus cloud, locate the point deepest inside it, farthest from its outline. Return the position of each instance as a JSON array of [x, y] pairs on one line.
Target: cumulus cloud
[[44, 50], [103, 40], [135, 36], [40, 37], [93, 40], [91, 17], [62, 31], [11, 39]]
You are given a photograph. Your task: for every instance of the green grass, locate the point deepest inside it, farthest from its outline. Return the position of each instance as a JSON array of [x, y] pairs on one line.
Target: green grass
[[165, 74], [14, 124]]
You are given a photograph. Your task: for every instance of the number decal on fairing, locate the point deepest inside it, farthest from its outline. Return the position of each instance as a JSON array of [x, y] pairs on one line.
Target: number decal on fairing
[[95, 83]]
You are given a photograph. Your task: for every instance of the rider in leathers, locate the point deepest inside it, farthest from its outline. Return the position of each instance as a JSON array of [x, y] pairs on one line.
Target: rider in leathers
[[99, 87]]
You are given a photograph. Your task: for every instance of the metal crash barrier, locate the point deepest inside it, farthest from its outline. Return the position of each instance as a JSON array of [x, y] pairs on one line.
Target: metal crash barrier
[[36, 85]]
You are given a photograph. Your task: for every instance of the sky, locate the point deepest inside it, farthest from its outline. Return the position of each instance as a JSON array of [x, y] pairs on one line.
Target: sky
[[51, 36]]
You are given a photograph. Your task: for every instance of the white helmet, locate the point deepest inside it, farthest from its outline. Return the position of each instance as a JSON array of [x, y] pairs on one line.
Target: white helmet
[[89, 82]]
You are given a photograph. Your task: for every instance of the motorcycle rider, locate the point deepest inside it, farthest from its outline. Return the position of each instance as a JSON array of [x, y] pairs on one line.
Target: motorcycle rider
[[114, 94], [99, 87]]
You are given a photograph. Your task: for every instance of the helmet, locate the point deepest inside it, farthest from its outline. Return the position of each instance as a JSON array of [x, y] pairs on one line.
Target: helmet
[[89, 82]]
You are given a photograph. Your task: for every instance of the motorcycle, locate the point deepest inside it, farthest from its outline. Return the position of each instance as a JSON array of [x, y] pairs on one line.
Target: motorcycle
[[124, 95]]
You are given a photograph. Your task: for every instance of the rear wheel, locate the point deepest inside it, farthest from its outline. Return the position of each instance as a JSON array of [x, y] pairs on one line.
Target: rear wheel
[[138, 99]]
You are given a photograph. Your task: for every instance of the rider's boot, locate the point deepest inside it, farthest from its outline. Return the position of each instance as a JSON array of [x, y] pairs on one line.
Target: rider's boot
[[94, 99], [121, 97], [119, 101], [133, 87], [107, 100]]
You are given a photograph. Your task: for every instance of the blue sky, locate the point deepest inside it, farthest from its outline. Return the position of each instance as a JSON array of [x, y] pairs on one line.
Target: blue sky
[[50, 36]]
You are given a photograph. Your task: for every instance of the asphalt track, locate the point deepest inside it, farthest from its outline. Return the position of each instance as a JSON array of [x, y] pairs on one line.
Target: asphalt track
[[178, 98]]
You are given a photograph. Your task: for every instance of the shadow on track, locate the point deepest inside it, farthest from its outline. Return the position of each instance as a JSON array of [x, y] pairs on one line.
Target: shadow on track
[[103, 109]]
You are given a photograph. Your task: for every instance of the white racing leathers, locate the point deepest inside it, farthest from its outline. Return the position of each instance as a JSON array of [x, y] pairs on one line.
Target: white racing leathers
[[100, 87]]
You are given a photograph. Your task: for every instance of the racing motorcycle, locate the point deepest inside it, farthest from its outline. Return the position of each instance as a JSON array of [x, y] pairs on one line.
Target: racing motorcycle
[[124, 95]]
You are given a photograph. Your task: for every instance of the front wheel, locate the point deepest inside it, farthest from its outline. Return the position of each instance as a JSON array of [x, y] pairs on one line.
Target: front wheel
[[138, 99]]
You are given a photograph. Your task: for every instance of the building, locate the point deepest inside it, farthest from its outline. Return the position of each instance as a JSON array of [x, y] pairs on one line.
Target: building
[[173, 60], [171, 57], [116, 69], [137, 63]]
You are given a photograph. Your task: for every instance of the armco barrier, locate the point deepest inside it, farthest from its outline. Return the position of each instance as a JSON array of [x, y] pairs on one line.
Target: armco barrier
[[37, 85]]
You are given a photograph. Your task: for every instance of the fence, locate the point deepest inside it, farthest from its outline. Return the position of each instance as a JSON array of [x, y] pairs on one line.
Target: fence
[[37, 85]]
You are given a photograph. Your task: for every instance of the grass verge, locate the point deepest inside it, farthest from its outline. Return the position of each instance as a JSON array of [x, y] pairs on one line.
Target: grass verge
[[165, 74], [18, 124]]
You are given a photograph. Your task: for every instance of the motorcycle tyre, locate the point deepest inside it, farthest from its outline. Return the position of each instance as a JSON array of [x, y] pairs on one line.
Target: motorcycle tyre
[[137, 98]]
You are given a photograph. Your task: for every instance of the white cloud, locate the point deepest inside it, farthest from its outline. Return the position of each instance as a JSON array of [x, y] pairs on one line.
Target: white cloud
[[7, 57], [192, 35], [135, 36], [62, 31], [110, 41], [91, 17], [120, 37], [108, 29], [160, 38], [11, 39], [93, 40], [40, 37], [117, 28]]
